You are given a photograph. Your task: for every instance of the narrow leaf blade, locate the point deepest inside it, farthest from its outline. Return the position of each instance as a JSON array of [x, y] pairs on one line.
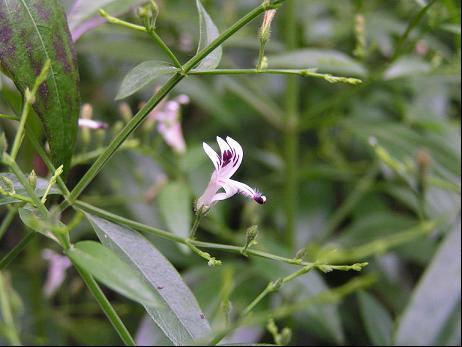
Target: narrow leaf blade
[[30, 33], [179, 315], [376, 319], [141, 75], [435, 297], [106, 267], [175, 205], [208, 33], [35, 220]]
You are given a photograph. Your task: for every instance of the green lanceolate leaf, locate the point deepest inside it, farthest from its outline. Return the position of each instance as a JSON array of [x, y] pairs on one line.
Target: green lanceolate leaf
[[208, 33], [376, 319], [106, 267], [141, 75], [37, 221], [178, 313], [32, 31], [176, 207], [435, 297]]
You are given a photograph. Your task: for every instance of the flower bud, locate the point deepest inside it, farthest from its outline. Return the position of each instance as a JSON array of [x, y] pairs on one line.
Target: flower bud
[[6, 185], [265, 29], [148, 13], [33, 179], [251, 236]]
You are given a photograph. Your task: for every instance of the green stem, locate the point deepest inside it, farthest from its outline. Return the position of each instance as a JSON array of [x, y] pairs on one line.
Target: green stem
[[296, 72], [20, 132], [412, 24], [7, 315], [84, 158], [25, 183], [151, 33], [6, 116], [328, 296], [46, 159], [291, 129], [7, 220], [228, 33], [29, 99], [154, 101], [268, 289], [115, 20], [18, 197], [120, 139], [85, 207], [106, 306], [197, 221], [261, 55], [274, 286], [363, 185], [165, 48], [63, 238], [7, 259], [212, 261]]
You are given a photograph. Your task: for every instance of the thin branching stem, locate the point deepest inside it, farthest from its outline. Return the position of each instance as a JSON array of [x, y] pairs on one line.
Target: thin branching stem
[[133, 124], [106, 306], [11, 255], [85, 207]]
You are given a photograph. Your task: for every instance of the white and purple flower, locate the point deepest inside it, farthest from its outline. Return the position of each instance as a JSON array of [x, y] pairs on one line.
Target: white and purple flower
[[226, 164]]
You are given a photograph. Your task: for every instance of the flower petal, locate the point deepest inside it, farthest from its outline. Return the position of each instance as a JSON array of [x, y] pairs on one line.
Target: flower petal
[[238, 154], [230, 190], [212, 155], [238, 187], [223, 145]]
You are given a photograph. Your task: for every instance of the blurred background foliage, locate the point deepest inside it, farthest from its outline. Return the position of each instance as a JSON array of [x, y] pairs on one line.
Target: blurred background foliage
[[376, 163]]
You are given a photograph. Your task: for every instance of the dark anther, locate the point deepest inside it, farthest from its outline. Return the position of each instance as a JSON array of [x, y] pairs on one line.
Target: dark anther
[[260, 199]]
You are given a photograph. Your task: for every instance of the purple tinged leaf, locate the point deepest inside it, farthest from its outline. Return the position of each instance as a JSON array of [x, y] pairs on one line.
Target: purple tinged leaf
[[32, 31]]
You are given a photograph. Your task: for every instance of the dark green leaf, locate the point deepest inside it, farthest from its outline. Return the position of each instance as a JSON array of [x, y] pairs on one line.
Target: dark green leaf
[[141, 75], [106, 267], [178, 314], [30, 33]]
